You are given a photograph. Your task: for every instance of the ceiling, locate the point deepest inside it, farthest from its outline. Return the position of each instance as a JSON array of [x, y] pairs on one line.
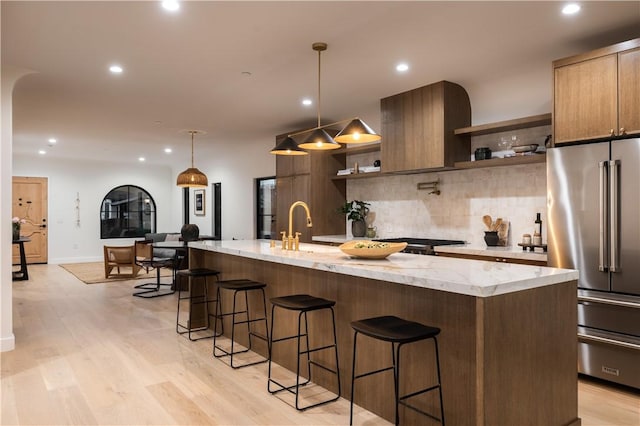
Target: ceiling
[[239, 70]]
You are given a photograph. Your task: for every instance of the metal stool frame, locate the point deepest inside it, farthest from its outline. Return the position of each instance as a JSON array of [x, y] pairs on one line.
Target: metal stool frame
[[307, 352], [219, 314], [192, 275], [399, 400]]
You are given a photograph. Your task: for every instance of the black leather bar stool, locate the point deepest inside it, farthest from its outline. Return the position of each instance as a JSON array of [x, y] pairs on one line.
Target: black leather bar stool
[[194, 277], [303, 303], [398, 332], [239, 286]]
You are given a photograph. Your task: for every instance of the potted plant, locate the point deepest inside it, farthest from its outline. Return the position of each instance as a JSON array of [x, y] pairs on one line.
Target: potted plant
[[356, 211]]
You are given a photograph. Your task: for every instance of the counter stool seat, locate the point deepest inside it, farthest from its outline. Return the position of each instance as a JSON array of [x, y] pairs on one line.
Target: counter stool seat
[[239, 286], [303, 303], [195, 276], [398, 332]]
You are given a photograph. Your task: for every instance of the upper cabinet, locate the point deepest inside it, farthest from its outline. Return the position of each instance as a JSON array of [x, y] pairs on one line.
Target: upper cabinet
[[418, 128], [308, 178], [597, 94]]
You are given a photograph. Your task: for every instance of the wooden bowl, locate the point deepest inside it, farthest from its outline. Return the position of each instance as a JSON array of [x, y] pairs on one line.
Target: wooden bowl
[[370, 249]]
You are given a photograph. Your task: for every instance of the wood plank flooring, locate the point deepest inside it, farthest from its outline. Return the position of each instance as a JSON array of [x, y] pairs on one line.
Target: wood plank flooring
[[93, 354]]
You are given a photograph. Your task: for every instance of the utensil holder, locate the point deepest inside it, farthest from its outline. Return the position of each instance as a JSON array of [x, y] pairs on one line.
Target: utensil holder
[[491, 238]]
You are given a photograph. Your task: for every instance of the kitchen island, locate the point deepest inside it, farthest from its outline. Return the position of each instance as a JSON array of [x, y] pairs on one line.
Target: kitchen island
[[508, 346]]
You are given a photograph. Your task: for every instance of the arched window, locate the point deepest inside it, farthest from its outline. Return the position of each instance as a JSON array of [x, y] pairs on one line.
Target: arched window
[[127, 211]]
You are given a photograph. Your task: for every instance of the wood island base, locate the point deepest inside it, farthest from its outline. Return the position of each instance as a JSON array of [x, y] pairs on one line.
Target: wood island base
[[508, 359]]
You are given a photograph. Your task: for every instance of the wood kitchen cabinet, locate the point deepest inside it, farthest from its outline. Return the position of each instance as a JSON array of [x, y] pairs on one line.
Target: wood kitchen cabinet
[[418, 128], [597, 94], [308, 178]]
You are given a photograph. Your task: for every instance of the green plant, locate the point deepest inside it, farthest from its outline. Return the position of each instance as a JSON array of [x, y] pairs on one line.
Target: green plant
[[355, 210]]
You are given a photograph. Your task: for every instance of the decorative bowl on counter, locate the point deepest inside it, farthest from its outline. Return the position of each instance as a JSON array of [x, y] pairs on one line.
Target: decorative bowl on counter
[[371, 249], [521, 149]]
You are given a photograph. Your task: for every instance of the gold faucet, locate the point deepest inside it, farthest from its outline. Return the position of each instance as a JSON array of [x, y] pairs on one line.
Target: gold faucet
[[292, 242]]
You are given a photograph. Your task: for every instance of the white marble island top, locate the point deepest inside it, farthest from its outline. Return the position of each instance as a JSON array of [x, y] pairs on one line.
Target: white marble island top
[[462, 276]]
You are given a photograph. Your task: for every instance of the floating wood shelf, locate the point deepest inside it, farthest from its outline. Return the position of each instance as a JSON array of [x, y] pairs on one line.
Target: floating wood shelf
[[357, 176], [370, 147], [505, 126], [496, 162]]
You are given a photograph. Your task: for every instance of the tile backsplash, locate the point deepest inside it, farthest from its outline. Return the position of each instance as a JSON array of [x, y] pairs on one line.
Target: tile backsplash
[[399, 209]]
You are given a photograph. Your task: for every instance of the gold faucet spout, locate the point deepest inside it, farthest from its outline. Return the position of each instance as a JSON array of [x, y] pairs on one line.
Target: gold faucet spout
[[306, 208]]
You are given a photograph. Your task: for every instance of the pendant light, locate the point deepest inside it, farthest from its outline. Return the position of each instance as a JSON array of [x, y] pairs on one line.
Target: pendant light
[[319, 139], [192, 177], [357, 131], [288, 147]]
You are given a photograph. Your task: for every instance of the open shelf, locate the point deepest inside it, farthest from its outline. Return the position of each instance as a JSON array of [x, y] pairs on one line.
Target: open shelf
[[370, 147], [496, 162], [505, 126], [357, 176]]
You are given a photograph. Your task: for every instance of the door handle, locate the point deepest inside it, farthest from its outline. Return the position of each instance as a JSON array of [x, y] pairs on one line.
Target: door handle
[[614, 232], [603, 168]]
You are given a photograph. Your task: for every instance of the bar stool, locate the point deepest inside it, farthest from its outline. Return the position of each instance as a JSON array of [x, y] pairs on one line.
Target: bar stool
[[398, 332], [196, 275], [239, 286], [303, 303]]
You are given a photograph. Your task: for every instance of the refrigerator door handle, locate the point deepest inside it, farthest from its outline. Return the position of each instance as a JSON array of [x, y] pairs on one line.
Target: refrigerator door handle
[[614, 232], [603, 170]]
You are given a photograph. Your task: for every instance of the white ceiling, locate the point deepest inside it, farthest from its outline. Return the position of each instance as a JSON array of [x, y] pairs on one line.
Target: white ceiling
[[185, 70]]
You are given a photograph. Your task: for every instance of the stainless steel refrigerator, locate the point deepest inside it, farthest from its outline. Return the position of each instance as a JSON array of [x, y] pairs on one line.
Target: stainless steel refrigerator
[[593, 218]]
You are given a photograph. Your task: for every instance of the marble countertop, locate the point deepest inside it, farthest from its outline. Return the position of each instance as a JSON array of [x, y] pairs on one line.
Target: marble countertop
[[462, 276], [482, 250]]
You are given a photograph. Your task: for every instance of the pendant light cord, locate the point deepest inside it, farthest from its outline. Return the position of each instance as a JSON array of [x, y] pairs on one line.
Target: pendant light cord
[[192, 133], [319, 99]]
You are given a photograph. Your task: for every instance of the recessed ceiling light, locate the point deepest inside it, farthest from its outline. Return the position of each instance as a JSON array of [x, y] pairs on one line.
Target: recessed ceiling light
[[141, 159], [42, 152], [167, 150], [116, 69], [171, 5], [402, 67], [53, 140], [307, 102], [571, 9]]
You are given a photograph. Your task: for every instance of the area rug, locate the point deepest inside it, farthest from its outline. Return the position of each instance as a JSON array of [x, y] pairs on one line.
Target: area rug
[[93, 273]]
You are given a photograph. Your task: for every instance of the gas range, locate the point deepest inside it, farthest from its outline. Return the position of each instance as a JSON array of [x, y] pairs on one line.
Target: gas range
[[420, 245]]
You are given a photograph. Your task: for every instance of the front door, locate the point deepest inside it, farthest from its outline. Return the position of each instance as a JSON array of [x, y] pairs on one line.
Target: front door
[[29, 202]]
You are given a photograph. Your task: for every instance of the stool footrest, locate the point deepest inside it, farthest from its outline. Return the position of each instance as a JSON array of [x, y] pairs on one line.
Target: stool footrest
[[371, 373]]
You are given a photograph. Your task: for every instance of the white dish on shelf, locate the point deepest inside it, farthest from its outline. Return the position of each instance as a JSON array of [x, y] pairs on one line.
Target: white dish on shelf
[[519, 149]]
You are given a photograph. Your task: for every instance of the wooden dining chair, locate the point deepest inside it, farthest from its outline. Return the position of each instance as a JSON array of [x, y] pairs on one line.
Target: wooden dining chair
[[117, 257]]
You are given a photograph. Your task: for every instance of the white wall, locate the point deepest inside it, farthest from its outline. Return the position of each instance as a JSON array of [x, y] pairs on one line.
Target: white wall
[[235, 166], [91, 181], [9, 77]]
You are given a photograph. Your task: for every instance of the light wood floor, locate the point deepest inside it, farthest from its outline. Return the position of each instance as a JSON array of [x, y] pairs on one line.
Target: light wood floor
[[93, 354]]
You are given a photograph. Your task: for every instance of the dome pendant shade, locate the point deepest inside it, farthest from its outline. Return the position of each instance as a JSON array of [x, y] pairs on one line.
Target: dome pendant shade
[[357, 131], [192, 178], [319, 141], [288, 147]]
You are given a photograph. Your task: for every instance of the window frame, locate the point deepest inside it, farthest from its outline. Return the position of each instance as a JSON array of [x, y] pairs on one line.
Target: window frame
[[135, 230]]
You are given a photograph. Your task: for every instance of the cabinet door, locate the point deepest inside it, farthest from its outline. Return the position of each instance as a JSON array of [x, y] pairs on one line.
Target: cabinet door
[[395, 123], [412, 130], [629, 92], [289, 190], [585, 100]]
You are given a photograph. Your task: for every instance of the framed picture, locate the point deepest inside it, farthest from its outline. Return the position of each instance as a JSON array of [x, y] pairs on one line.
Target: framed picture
[[198, 202]]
